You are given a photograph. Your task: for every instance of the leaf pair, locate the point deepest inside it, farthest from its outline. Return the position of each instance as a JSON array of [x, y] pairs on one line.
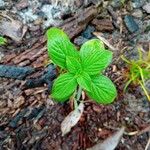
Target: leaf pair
[[83, 68]]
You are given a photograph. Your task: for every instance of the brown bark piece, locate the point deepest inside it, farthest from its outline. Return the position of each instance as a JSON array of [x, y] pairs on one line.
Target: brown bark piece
[[103, 25], [37, 55]]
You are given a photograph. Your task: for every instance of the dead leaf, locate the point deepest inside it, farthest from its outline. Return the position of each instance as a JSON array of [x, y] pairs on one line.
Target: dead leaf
[[12, 28], [72, 119], [110, 143]]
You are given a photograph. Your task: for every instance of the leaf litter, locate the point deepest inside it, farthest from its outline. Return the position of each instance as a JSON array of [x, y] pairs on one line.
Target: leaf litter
[[111, 142], [72, 119]]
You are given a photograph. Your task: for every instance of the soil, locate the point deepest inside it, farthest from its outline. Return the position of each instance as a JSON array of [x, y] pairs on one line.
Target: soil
[[29, 119]]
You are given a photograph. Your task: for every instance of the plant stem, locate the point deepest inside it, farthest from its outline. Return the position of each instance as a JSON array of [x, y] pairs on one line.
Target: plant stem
[[79, 92]]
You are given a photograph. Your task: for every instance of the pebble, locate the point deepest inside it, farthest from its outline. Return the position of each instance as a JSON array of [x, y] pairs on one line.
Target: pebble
[[137, 13], [38, 21], [88, 32], [80, 40], [22, 4], [147, 8], [2, 4], [45, 1], [116, 3], [130, 23], [137, 3], [34, 28]]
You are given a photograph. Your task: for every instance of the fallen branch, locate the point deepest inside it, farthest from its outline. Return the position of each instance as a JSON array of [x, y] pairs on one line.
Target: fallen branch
[[37, 55]]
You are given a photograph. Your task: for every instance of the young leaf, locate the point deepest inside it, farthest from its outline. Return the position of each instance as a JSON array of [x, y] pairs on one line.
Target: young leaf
[[94, 57], [73, 64], [2, 40], [102, 90], [84, 80], [63, 87], [59, 46]]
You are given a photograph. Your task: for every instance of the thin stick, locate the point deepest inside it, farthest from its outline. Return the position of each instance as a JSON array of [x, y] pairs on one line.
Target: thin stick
[[105, 41], [147, 145]]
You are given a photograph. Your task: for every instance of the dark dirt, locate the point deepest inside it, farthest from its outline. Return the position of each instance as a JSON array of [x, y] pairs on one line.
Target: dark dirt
[[29, 119]]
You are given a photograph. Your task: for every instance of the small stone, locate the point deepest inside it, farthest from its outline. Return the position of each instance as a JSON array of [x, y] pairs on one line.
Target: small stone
[[2, 4], [137, 13], [38, 21], [45, 2], [34, 28], [147, 8], [22, 4], [130, 23], [116, 3], [80, 40], [95, 2], [137, 3], [87, 33], [127, 118]]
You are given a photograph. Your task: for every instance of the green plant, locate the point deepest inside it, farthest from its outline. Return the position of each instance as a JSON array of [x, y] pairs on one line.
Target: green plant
[[2, 40], [82, 69], [123, 2], [138, 71]]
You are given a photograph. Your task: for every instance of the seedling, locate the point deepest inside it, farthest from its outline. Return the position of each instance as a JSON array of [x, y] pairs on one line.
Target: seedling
[[82, 69], [123, 2], [138, 71], [3, 41]]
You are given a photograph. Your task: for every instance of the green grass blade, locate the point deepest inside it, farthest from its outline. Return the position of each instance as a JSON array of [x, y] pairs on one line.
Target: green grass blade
[[145, 91], [125, 59]]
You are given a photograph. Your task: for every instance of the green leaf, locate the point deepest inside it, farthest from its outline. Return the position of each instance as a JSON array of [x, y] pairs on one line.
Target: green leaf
[[102, 90], [84, 81], [63, 87], [94, 57], [3, 41], [59, 46], [74, 64]]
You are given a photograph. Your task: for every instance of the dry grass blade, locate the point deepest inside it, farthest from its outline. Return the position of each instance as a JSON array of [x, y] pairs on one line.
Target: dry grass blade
[[98, 35], [148, 145]]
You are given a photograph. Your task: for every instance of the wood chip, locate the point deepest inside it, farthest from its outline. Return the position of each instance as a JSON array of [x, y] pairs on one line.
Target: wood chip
[[12, 28], [103, 25]]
